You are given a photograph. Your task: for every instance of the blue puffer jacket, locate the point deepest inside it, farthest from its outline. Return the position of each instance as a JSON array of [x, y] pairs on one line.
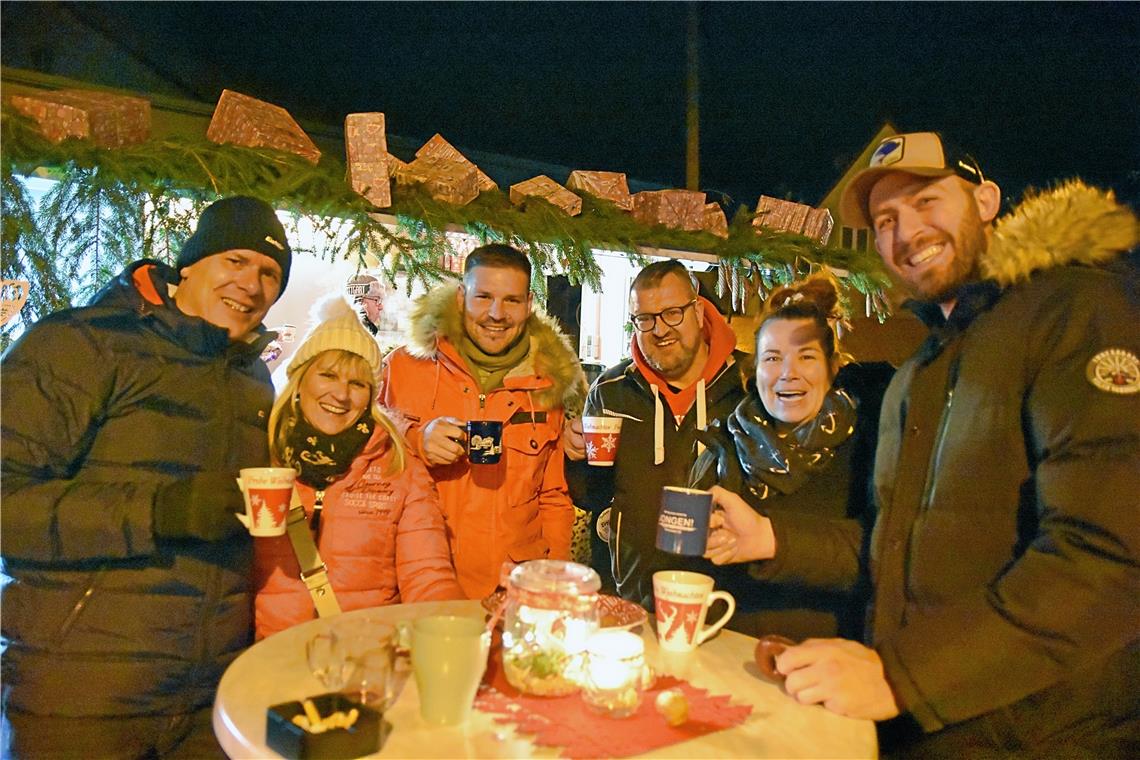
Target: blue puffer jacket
[[103, 405]]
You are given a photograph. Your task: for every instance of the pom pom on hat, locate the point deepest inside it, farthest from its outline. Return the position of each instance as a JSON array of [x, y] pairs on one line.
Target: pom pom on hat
[[337, 327]]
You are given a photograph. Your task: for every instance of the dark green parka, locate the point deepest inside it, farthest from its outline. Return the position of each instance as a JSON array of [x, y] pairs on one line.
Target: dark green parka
[[1006, 556], [103, 405]]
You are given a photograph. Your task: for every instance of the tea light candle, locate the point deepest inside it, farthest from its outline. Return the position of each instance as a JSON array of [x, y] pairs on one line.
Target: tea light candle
[[615, 661]]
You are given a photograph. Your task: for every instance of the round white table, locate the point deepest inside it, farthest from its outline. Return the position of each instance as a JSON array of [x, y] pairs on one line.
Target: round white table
[[274, 671]]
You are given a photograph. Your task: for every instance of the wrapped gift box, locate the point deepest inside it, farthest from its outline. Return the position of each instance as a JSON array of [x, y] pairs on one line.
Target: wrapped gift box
[[788, 216], [550, 191], [366, 150], [715, 221], [818, 225], [449, 181], [609, 185], [106, 119], [438, 147], [678, 209], [395, 165], [252, 123]]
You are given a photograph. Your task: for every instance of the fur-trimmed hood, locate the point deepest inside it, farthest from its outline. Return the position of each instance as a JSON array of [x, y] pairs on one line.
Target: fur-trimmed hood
[[436, 315], [1070, 224]]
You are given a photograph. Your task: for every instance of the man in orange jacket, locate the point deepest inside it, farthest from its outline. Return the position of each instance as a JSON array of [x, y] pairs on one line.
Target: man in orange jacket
[[480, 352]]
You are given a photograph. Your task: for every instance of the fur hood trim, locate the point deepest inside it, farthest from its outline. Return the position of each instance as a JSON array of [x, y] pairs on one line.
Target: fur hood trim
[[436, 315], [1070, 224]]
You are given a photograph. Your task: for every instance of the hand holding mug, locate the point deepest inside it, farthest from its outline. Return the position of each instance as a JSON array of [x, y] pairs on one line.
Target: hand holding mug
[[444, 440], [737, 533], [844, 676], [573, 443]]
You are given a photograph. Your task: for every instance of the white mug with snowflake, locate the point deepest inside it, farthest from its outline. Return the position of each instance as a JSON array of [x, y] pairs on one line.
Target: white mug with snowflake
[[681, 601], [268, 492], [602, 435]]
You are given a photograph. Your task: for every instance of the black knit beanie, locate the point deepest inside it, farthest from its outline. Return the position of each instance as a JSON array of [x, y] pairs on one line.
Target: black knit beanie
[[234, 223]]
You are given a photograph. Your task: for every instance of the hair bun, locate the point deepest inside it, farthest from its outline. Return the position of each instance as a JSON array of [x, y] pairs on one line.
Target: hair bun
[[817, 290]]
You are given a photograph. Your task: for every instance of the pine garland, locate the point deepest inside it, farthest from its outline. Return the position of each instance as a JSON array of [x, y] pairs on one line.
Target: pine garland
[[111, 207]]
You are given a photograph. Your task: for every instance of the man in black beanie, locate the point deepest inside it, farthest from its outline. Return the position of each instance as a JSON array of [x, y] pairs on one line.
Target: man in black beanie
[[126, 573]]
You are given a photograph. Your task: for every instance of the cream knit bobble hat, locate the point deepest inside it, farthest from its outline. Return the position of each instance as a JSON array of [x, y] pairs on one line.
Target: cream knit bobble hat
[[337, 327]]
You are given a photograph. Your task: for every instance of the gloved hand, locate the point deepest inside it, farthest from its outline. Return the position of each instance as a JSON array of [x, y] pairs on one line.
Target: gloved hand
[[201, 506]]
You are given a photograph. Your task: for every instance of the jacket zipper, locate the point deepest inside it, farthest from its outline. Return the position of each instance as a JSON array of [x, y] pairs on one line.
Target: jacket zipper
[[80, 605], [318, 506], [482, 401], [617, 545], [936, 458]]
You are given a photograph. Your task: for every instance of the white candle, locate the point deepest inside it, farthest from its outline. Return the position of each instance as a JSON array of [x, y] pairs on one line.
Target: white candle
[[614, 664]]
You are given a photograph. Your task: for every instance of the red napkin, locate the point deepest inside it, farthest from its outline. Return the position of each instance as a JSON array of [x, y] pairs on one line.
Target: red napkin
[[570, 723]]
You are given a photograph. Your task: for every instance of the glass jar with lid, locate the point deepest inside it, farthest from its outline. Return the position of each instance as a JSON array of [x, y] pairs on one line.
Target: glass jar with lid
[[551, 612]]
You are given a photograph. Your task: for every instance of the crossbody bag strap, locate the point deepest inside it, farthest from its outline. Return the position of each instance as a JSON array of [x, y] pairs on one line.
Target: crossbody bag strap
[[313, 571]]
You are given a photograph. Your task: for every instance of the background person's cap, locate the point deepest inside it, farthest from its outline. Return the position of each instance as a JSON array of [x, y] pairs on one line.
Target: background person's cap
[[364, 285], [239, 223], [919, 153]]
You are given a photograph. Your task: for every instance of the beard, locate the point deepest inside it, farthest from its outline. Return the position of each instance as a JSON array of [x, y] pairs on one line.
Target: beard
[[969, 242]]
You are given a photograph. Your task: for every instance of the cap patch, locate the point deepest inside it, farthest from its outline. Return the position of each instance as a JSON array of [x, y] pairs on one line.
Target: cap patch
[[274, 243], [1114, 370], [888, 152]]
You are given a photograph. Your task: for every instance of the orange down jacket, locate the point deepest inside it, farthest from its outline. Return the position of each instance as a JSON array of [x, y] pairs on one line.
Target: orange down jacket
[[382, 538], [518, 509]]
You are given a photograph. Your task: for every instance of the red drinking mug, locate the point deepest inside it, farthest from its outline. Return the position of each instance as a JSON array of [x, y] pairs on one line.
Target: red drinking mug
[[767, 649]]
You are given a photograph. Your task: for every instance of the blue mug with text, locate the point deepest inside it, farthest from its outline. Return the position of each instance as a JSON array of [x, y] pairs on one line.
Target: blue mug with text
[[683, 521]]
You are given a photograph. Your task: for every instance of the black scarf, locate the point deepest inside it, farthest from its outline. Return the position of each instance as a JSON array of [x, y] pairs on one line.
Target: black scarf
[[769, 460], [320, 458]]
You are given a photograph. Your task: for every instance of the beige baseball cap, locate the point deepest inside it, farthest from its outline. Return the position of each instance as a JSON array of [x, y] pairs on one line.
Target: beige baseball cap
[[919, 153]]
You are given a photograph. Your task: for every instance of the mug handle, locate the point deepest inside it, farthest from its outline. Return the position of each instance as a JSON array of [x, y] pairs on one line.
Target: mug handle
[[243, 517], [704, 633]]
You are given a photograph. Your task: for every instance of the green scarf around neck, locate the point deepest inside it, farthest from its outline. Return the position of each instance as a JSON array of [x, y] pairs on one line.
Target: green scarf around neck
[[489, 370]]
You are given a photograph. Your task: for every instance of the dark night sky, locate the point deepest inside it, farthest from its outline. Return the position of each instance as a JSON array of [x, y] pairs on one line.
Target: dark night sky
[[790, 93]]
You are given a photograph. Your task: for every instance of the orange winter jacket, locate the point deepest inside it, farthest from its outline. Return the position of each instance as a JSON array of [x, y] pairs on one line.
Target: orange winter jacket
[[382, 538], [518, 509]]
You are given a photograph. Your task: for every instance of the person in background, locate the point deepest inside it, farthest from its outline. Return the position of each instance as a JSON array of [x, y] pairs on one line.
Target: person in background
[[367, 292], [799, 449], [1006, 552], [126, 574], [373, 510], [479, 351], [684, 373]]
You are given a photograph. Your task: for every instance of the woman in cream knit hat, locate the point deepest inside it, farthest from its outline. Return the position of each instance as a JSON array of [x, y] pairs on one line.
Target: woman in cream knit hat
[[372, 508]]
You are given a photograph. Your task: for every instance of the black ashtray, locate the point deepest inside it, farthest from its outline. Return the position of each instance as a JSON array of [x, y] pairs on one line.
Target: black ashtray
[[290, 740]]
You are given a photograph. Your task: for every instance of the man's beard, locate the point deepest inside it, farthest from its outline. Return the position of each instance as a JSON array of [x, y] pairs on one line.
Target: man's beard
[[969, 244]]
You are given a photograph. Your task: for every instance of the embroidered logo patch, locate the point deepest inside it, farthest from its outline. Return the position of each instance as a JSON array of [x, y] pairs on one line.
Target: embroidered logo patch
[[1114, 370], [888, 152], [602, 526]]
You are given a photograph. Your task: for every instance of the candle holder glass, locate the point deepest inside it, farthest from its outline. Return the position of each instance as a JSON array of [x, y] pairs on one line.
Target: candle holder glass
[[615, 669], [550, 615]]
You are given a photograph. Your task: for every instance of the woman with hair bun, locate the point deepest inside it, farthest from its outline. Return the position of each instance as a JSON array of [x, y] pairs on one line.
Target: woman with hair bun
[[792, 466]]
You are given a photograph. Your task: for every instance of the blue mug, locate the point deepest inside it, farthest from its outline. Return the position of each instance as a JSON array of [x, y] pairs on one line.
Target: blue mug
[[484, 441], [683, 521]]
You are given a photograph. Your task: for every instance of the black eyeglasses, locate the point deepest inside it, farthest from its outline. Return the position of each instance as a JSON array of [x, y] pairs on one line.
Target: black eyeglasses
[[672, 317]]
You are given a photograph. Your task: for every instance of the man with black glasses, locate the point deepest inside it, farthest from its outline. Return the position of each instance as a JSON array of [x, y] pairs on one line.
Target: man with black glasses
[[684, 372]]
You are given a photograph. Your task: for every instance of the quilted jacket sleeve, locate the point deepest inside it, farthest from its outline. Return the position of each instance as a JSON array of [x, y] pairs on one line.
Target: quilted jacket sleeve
[[424, 570], [58, 387]]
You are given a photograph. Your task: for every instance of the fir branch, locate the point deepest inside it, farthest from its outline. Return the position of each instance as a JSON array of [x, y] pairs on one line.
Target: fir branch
[[112, 204]]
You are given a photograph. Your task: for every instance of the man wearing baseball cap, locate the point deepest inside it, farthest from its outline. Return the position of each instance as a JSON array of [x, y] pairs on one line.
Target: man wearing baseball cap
[[1006, 555], [127, 575]]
